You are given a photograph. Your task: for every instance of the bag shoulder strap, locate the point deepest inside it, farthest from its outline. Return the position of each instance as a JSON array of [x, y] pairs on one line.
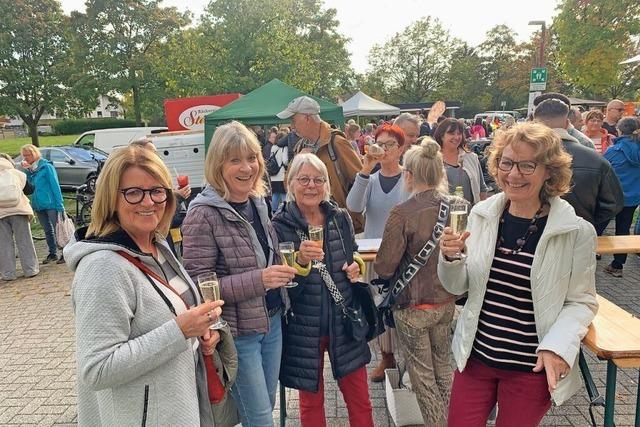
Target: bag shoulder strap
[[149, 272], [326, 278], [421, 258], [336, 162]]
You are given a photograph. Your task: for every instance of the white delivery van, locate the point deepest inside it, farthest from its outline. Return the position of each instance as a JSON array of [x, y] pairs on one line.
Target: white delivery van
[[183, 152], [107, 139]]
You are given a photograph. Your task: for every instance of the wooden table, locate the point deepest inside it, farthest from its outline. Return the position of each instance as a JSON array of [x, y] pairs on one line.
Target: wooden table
[[606, 245], [614, 336], [618, 244]]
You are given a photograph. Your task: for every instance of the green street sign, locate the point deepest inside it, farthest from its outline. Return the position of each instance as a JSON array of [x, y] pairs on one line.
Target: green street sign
[[538, 79], [538, 75]]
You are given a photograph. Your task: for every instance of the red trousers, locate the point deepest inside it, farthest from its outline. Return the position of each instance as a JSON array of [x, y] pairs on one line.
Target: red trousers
[[355, 390], [523, 398]]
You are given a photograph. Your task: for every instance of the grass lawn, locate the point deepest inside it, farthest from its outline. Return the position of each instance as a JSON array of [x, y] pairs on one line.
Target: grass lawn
[[12, 146]]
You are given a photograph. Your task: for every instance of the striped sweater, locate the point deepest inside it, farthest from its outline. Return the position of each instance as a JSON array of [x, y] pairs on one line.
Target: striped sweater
[[506, 337]]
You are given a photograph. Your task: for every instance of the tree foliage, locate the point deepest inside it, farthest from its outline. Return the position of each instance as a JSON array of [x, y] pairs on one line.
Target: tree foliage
[[294, 40], [594, 36], [414, 64], [33, 60], [119, 36]]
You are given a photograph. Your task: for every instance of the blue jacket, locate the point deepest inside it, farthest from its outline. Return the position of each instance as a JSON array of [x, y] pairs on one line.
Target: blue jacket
[[46, 193], [624, 156]]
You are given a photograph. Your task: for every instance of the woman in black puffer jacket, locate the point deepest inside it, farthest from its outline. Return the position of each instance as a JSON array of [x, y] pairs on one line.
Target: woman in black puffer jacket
[[314, 322]]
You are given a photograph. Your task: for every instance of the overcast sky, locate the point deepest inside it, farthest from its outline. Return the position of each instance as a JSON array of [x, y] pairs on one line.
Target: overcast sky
[[368, 22]]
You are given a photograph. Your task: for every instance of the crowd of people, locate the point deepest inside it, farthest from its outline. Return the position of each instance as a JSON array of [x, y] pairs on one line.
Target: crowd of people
[[152, 347]]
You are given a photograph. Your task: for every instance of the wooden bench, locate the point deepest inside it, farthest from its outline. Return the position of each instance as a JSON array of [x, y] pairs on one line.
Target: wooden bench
[[614, 336], [606, 245]]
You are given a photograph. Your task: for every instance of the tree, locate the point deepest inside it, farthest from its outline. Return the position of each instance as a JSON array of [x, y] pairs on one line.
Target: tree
[[294, 40], [594, 36], [414, 64], [33, 60], [119, 36], [465, 82], [506, 66]]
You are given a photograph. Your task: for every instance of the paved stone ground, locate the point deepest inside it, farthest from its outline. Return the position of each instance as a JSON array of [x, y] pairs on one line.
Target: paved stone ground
[[37, 368]]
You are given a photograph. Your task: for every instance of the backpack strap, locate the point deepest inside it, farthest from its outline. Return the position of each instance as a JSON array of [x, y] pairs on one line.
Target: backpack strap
[[336, 163]]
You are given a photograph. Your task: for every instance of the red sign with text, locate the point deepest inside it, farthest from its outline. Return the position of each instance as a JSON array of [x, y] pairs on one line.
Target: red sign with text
[[188, 113]]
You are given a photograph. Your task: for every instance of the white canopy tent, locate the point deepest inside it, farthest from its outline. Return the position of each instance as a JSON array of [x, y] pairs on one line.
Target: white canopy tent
[[362, 104]]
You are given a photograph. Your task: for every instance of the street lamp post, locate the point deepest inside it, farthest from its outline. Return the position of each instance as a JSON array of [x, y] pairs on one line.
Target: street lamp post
[[543, 36]]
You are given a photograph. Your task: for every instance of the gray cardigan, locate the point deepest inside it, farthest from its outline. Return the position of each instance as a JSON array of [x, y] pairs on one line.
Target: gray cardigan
[[133, 361], [367, 196]]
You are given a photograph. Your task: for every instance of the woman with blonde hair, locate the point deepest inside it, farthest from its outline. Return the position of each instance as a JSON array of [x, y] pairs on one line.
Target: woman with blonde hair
[[529, 271], [142, 327], [227, 231], [46, 199], [424, 309]]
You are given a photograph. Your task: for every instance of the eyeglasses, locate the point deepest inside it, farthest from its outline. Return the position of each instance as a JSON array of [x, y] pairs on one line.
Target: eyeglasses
[[387, 145], [616, 109], [305, 180], [525, 167], [135, 195]]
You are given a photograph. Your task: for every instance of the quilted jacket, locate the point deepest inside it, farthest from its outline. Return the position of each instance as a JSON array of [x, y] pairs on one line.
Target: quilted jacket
[[216, 238], [313, 313]]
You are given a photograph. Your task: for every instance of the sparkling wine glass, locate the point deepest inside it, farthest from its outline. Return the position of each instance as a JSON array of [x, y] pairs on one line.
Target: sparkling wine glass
[[287, 253], [316, 234], [210, 288], [458, 214]]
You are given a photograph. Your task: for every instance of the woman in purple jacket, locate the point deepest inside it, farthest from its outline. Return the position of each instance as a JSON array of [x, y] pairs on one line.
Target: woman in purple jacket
[[227, 230]]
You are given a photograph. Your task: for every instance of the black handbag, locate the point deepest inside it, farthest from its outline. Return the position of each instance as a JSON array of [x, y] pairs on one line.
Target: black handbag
[[408, 268]]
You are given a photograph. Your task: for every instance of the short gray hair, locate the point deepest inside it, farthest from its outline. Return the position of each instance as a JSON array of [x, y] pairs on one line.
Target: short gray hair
[[294, 168], [407, 117]]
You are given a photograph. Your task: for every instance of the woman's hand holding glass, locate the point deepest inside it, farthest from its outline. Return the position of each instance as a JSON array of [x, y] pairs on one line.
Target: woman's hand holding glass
[[452, 244], [276, 276], [309, 250], [195, 322]]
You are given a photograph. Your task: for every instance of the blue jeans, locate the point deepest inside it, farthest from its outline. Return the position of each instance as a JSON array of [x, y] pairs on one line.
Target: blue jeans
[[48, 219], [258, 370], [276, 199], [636, 230]]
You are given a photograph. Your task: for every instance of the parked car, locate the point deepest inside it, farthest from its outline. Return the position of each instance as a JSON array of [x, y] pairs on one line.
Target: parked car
[[74, 165]]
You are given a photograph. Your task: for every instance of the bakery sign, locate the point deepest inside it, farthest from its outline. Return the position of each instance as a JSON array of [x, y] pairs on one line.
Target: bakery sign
[[193, 118]]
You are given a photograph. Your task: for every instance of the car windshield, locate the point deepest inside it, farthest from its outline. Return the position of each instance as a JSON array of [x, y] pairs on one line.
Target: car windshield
[[84, 154]]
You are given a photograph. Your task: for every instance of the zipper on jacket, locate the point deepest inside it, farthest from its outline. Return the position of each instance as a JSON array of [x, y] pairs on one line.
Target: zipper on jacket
[[146, 405]]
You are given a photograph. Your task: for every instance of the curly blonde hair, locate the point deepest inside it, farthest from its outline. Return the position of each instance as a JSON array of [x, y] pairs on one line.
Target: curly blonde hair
[[549, 152]]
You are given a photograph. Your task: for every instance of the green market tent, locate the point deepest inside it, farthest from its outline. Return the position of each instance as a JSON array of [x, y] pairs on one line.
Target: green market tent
[[260, 106]]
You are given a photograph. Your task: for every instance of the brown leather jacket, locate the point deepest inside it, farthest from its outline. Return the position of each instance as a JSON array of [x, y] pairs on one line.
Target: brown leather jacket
[[407, 230]]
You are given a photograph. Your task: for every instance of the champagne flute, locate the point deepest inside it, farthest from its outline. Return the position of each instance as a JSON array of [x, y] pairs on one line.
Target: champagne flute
[[210, 288], [316, 234], [287, 253], [458, 214]]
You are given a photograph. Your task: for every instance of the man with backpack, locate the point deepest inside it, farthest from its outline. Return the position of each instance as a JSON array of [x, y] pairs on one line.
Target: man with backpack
[[330, 145]]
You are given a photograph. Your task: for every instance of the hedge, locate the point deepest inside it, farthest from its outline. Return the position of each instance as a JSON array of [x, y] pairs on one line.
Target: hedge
[[76, 126]]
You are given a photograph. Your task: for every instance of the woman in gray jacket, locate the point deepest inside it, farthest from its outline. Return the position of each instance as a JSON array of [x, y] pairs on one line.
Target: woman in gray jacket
[[138, 315], [227, 230]]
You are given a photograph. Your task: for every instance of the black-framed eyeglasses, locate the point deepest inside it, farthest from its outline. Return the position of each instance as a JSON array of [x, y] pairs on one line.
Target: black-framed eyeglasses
[[525, 167], [135, 195], [305, 180]]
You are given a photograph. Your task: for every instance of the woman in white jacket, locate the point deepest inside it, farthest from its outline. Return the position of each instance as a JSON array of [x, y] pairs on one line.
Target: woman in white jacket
[[15, 214], [529, 270]]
